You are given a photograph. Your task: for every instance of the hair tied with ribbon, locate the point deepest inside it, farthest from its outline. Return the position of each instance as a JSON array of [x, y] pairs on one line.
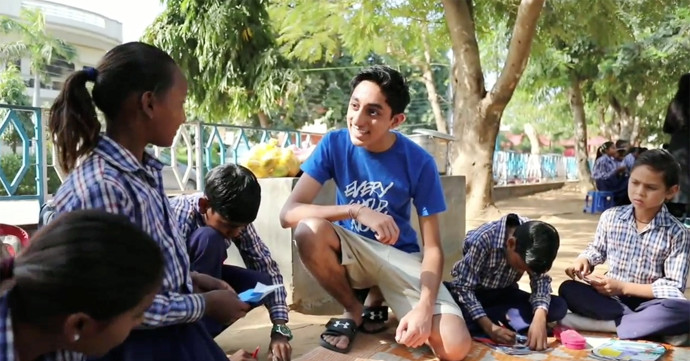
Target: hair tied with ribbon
[[91, 74], [7, 268]]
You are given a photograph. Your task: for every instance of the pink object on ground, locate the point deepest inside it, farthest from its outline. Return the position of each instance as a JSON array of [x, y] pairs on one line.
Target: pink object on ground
[[570, 338]]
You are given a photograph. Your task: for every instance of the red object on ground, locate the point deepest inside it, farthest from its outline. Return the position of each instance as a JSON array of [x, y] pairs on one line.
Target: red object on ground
[[22, 235]]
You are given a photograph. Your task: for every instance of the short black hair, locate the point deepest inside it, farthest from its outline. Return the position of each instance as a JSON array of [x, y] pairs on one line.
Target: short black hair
[[620, 143], [86, 261], [233, 192], [392, 84], [661, 161], [537, 243]]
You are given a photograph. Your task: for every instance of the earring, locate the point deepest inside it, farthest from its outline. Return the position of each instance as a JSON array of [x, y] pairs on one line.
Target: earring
[[76, 337]]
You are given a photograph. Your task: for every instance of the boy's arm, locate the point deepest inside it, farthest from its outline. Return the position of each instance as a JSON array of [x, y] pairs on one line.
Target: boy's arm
[[541, 292], [595, 253], [299, 204], [257, 256], [432, 262], [674, 281], [466, 277]]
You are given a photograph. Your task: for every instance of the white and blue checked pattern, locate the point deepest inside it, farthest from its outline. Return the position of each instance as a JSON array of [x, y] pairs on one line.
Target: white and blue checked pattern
[[112, 179], [484, 266], [253, 250], [659, 255], [7, 352]]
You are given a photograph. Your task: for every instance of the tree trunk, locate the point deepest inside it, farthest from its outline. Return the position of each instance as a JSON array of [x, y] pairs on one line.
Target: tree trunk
[[37, 89], [477, 114], [635, 135], [263, 119], [428, 79], [577, 106]]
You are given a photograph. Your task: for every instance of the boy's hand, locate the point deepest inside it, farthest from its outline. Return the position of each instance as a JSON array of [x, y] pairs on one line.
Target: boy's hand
[[414, 328], [606, 286], [224, 306], [241, 355], [501, 335], [579, 269], [383, 225], [536, 335], [204, 283]]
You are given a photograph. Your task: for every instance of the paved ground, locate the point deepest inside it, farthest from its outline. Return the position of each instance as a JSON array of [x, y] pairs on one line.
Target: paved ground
[[562, 208]]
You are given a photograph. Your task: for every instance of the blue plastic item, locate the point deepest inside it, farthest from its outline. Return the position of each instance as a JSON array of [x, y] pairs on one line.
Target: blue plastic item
[[598, 201]]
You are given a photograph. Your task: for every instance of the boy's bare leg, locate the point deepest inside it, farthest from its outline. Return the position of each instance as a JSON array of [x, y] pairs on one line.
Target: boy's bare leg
[[319, 250], [449, 338]]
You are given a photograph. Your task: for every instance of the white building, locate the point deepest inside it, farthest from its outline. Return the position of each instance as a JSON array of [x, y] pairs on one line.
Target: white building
[[91, 34]]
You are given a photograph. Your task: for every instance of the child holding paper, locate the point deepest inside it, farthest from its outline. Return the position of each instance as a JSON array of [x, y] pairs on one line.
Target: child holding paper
[[222, 215], [647, 250]]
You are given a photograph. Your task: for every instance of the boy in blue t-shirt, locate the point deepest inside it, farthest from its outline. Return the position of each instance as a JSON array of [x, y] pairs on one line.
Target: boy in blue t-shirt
[[378, 174]]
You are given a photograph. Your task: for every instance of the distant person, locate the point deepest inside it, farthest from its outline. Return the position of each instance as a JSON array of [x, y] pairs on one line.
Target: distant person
[[609, 174]]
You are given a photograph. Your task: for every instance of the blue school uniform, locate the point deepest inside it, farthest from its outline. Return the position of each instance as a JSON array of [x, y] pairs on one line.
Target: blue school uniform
[[484, 284], [112, 178], [208, 252], [658, 255]]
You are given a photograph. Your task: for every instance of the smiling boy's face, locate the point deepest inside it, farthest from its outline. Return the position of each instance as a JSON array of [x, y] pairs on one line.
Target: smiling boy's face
[[369, 117]]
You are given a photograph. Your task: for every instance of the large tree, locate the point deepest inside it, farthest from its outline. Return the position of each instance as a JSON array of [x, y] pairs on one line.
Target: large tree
[[35, 43], [477, 111], [227, 48]]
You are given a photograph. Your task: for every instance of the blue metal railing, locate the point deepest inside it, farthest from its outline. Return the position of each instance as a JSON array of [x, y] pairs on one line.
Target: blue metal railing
[[209, 145], [22, 154]]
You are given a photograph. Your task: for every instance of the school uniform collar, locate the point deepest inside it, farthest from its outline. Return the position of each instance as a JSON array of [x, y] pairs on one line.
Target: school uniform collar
[[123, 160], [499, 239], [661, 219]]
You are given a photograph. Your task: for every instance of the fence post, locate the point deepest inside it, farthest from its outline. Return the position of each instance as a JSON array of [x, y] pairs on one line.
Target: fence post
[[199, 155]]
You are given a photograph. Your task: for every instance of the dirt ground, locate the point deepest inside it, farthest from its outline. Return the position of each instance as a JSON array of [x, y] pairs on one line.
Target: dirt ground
[[562, 208]]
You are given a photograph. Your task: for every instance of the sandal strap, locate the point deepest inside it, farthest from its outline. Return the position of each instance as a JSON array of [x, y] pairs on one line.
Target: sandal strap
[[375, 314], [341, 326]]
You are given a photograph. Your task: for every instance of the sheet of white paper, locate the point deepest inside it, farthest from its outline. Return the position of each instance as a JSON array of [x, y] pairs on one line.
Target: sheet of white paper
[[265, 290]]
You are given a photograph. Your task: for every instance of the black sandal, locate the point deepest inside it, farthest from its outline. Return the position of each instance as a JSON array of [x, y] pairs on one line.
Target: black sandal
[[375, 315], [340, 327]]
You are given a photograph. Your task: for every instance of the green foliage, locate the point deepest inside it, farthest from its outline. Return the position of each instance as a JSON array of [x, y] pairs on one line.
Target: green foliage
[[228, 50], [13, 92], [10, 165], [35, 43]]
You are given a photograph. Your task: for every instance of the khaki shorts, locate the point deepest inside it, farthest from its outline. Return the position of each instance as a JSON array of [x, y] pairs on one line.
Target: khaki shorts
[[370, 263]]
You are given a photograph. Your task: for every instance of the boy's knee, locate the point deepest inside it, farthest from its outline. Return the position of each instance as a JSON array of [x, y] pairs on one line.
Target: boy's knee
[[557, 309], [264, 278], [451, 341], [676, 306], [312, 232], [567, 287]]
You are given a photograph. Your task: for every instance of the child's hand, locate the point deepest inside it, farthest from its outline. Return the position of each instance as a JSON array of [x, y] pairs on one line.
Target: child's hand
[[241, 355], [224, 306], [383, 225], [579, 269], [502, 335], [606, 286]]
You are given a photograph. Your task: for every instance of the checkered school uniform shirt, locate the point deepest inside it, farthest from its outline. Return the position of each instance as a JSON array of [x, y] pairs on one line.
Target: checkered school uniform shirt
[[253, 250], [111, 178], [658, 255], [7, 339], [484, 266]]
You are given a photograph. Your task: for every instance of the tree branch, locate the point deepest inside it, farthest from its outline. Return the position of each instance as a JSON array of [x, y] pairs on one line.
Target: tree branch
[[518, 53], [467, 71]]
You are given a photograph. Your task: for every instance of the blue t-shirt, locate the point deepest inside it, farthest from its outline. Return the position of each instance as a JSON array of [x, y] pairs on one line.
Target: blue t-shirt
[[385, 182]]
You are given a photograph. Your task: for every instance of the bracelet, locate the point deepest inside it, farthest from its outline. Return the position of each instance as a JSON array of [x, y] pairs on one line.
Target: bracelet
[[356, 213]]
